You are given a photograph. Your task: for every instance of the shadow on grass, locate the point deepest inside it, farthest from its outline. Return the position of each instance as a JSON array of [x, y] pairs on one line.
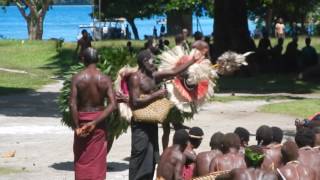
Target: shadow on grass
[[268, 83], [31, 104], [62, 61], [111, 166]]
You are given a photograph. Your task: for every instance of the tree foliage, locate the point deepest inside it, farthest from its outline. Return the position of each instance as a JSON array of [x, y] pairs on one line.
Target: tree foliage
[[34, 12], [290, 10]]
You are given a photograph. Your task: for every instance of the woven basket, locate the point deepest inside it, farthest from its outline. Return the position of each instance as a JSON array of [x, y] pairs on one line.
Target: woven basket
[[211, 176], [155, 112]]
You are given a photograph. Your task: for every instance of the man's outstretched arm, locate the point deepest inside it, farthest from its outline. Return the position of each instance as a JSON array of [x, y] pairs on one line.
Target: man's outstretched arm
[[169, 74]]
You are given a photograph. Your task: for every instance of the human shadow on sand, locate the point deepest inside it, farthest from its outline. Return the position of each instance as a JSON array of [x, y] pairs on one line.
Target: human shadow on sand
[[111, 166]]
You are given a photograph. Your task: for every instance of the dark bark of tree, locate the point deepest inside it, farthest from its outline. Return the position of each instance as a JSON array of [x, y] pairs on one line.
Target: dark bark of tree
[[231, 30], [134, 28], [268, 20], [176, 21], [35, 18], [35, 28]]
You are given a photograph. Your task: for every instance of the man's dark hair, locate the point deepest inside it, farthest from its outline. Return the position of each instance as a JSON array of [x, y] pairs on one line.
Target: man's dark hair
[[198, 36], [308, 41], [129, 43], [254, 156], [242, 133], [289, 151], [195, 136], [180, 137], [166, 42], [142, 56], [264, 135], [90, 56], [305, 137], [179, 39], [216, 140], [84, 31], [277, 134], [230, 140]]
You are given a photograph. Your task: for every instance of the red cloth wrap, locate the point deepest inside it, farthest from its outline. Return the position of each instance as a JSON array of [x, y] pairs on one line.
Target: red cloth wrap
[[198, 92], [187, 172], [90, 153]]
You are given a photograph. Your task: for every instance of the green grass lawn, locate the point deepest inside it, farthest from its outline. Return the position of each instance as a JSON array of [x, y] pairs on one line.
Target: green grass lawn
[[31, 57], [226, 99], [298, 108]]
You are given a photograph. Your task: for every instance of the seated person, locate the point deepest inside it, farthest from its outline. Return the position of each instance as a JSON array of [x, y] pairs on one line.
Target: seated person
[[204, 158], [172, 159], [294, 169], [309, 56], [231, 158], [244, 137], [307, 155], [195, 138], [254, 158]]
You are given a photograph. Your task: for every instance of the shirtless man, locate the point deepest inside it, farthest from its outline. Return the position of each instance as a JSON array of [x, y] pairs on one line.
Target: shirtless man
[[272, 151], [89, 90], [280, 29], [144, 143], [172, 159], [204, 158], [316, 132], [244, 137], [293, 169], [307, 155], [195, 139], [83, 43], [231, 158], [253, 171]]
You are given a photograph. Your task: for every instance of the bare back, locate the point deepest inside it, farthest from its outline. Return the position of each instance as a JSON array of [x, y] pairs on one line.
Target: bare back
[[296, 171], [310, 158], [91, 86], [272, 159], [203, 161], [252, 174], [171, 164], [227, 162]]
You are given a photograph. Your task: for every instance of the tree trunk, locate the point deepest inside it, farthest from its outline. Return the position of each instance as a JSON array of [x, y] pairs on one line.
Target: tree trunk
[[231, 30], [268, 20], [134, 28], [39, 32], [35, 27], [176, 21]]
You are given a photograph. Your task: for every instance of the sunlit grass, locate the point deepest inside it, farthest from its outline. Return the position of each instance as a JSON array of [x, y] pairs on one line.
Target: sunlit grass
[[298, 108]]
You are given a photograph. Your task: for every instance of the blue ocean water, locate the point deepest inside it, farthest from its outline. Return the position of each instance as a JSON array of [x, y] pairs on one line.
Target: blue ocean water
[[63, 22]]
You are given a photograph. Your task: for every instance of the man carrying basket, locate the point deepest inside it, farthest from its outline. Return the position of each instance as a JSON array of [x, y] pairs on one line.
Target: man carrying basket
[[149, 106]]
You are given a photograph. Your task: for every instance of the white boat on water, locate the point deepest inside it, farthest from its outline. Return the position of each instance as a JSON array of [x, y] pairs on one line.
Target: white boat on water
[[109, 29]]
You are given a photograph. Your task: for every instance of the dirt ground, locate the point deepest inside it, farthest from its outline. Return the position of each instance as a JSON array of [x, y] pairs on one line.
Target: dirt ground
[[30, 126]]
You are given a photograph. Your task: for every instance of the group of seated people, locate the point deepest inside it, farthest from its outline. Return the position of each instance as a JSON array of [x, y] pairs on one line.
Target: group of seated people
[[271, 59], [231, 158]]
